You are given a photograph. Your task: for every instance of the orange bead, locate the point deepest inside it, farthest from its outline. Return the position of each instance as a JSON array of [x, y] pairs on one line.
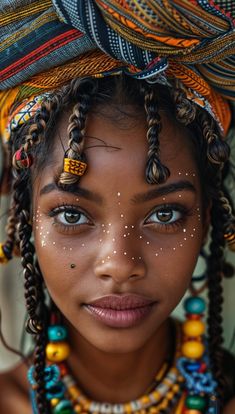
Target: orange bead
[[193, 349], [192, 412], [193, 328]]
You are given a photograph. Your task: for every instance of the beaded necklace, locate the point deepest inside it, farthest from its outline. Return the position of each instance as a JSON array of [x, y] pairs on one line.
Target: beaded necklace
[[187, 385]]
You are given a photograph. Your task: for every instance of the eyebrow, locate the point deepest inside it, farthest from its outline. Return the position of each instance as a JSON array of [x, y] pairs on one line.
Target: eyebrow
[[138, 198], [75, 190], [164, 190]]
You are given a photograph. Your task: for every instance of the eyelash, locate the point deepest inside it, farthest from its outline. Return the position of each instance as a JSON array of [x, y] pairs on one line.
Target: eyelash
[[68, 209], [174, 225], [167, 226]]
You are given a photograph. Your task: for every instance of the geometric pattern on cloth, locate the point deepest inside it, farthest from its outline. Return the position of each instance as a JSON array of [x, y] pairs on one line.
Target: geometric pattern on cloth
[[193, 40]]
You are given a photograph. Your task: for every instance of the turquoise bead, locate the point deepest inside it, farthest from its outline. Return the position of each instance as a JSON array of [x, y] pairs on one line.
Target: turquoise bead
[[195, 402], [63, 407], [195, 305], [55, 391], [57, 333]]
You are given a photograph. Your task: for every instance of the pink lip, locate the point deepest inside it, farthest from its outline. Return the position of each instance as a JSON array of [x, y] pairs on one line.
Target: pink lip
[[120, 311]]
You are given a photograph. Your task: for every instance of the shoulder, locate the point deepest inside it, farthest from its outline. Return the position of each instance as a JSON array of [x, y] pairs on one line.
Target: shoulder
[[14, 392]]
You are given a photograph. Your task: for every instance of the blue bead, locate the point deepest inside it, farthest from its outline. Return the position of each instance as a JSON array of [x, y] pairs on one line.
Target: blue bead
[[55, 391], [195, 305], [52, 375], [57, 333], [193, 366]]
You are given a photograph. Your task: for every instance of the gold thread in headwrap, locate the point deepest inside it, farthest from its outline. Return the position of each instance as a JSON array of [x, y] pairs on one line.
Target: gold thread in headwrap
[[74, 167]]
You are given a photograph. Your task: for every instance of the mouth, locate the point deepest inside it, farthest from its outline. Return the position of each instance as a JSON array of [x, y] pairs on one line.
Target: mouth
[[120, 311]]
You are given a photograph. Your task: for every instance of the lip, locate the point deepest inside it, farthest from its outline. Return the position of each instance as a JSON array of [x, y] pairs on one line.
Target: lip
[[120, 311]]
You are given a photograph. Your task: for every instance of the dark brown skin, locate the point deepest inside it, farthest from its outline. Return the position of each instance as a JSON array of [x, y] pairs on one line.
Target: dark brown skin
[[116, 364]]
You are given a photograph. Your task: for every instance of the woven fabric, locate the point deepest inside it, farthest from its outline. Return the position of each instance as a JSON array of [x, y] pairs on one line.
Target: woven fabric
[[192, 40]]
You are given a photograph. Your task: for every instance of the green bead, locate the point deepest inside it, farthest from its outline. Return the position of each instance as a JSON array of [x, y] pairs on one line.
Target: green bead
[[195, 402], [63, 407], [195, 305]]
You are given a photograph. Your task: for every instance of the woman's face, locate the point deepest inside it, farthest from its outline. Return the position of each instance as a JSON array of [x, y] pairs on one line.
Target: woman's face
[[118, 253]]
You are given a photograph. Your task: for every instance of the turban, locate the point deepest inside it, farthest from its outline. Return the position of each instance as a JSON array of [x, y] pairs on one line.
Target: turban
[[44, 44]]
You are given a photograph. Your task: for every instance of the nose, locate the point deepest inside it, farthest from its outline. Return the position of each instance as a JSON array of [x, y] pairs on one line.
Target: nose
[[121, 264]]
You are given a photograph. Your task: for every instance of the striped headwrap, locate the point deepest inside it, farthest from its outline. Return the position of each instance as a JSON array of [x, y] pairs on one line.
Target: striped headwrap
[[44, 44]]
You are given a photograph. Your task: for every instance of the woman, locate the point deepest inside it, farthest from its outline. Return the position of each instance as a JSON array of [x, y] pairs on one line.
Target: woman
[[118, 222]]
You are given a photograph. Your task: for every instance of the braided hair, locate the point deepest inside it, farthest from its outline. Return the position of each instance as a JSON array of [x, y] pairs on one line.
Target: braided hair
[[87, 95]]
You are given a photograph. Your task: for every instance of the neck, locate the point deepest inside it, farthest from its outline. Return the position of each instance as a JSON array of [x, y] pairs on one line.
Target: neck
[[118, 378]]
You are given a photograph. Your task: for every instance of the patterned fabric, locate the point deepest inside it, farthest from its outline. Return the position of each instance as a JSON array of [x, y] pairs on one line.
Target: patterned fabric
[[43, 44]]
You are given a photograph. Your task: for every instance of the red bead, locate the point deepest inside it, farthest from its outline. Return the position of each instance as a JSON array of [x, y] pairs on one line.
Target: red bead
[[193, 316], [23, 160]]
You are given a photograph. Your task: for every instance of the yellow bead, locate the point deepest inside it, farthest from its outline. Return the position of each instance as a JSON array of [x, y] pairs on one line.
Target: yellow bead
[[3, 258], [193, 349], [57, 351], [54, 401], [127, 408], [77, 408], [170, 395], [192, 412], [156, 395], [145, 399], [73, 392], [193, 328], [175, 388]]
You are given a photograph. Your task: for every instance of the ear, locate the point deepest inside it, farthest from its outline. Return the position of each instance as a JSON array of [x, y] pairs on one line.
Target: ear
[[206, 222]]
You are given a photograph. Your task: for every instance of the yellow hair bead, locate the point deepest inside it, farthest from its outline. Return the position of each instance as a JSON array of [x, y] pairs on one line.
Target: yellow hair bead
[[193, 328], [193, 349], [3, 258], [193, 412], [77, 408], [54, 401], [57, 351]]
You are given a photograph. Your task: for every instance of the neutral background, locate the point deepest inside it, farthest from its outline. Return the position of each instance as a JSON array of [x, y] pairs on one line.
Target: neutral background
[[13, 309]]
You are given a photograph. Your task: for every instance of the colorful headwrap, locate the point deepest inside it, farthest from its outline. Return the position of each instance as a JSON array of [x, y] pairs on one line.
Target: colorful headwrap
[[44, 44]]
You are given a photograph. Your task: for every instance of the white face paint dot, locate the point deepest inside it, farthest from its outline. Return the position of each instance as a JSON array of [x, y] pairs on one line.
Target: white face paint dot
[[180, 195], [181, 245], [147, 242], [180, 173], [100, 240], [133, 258], [115, 251], [113, 240], [83, 244], [164, 198], [110, 224], [141, 237], [104, 231], [53, 243], [194, 175], [125, 253], [102, 225], [118, 194], [108, 257], [128, 234], [191, 235], [124, 235], [185, 238], [132, 227], [121, 215], [70, 248], [184, 230], [108, 232], [156, 254], [140, 257], [174, 248], [64, 248], [161, 249], [48, 232], [186, 174], [36, 227], [103, 261], [126, 227]]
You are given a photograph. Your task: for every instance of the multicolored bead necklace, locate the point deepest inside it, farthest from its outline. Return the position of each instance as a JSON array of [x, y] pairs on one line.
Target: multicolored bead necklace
[[190, 371]]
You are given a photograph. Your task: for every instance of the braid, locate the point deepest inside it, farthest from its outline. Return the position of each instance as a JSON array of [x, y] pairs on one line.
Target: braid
[[156, 173], [82, 92], [185, 110], [33, 290], [215, 291]]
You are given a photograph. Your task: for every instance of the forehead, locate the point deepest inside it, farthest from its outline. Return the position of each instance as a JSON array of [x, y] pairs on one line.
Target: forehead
[[117, 149]]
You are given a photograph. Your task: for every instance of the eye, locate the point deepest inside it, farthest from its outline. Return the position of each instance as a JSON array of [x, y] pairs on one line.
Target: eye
[[69, 216], [165, 215]]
